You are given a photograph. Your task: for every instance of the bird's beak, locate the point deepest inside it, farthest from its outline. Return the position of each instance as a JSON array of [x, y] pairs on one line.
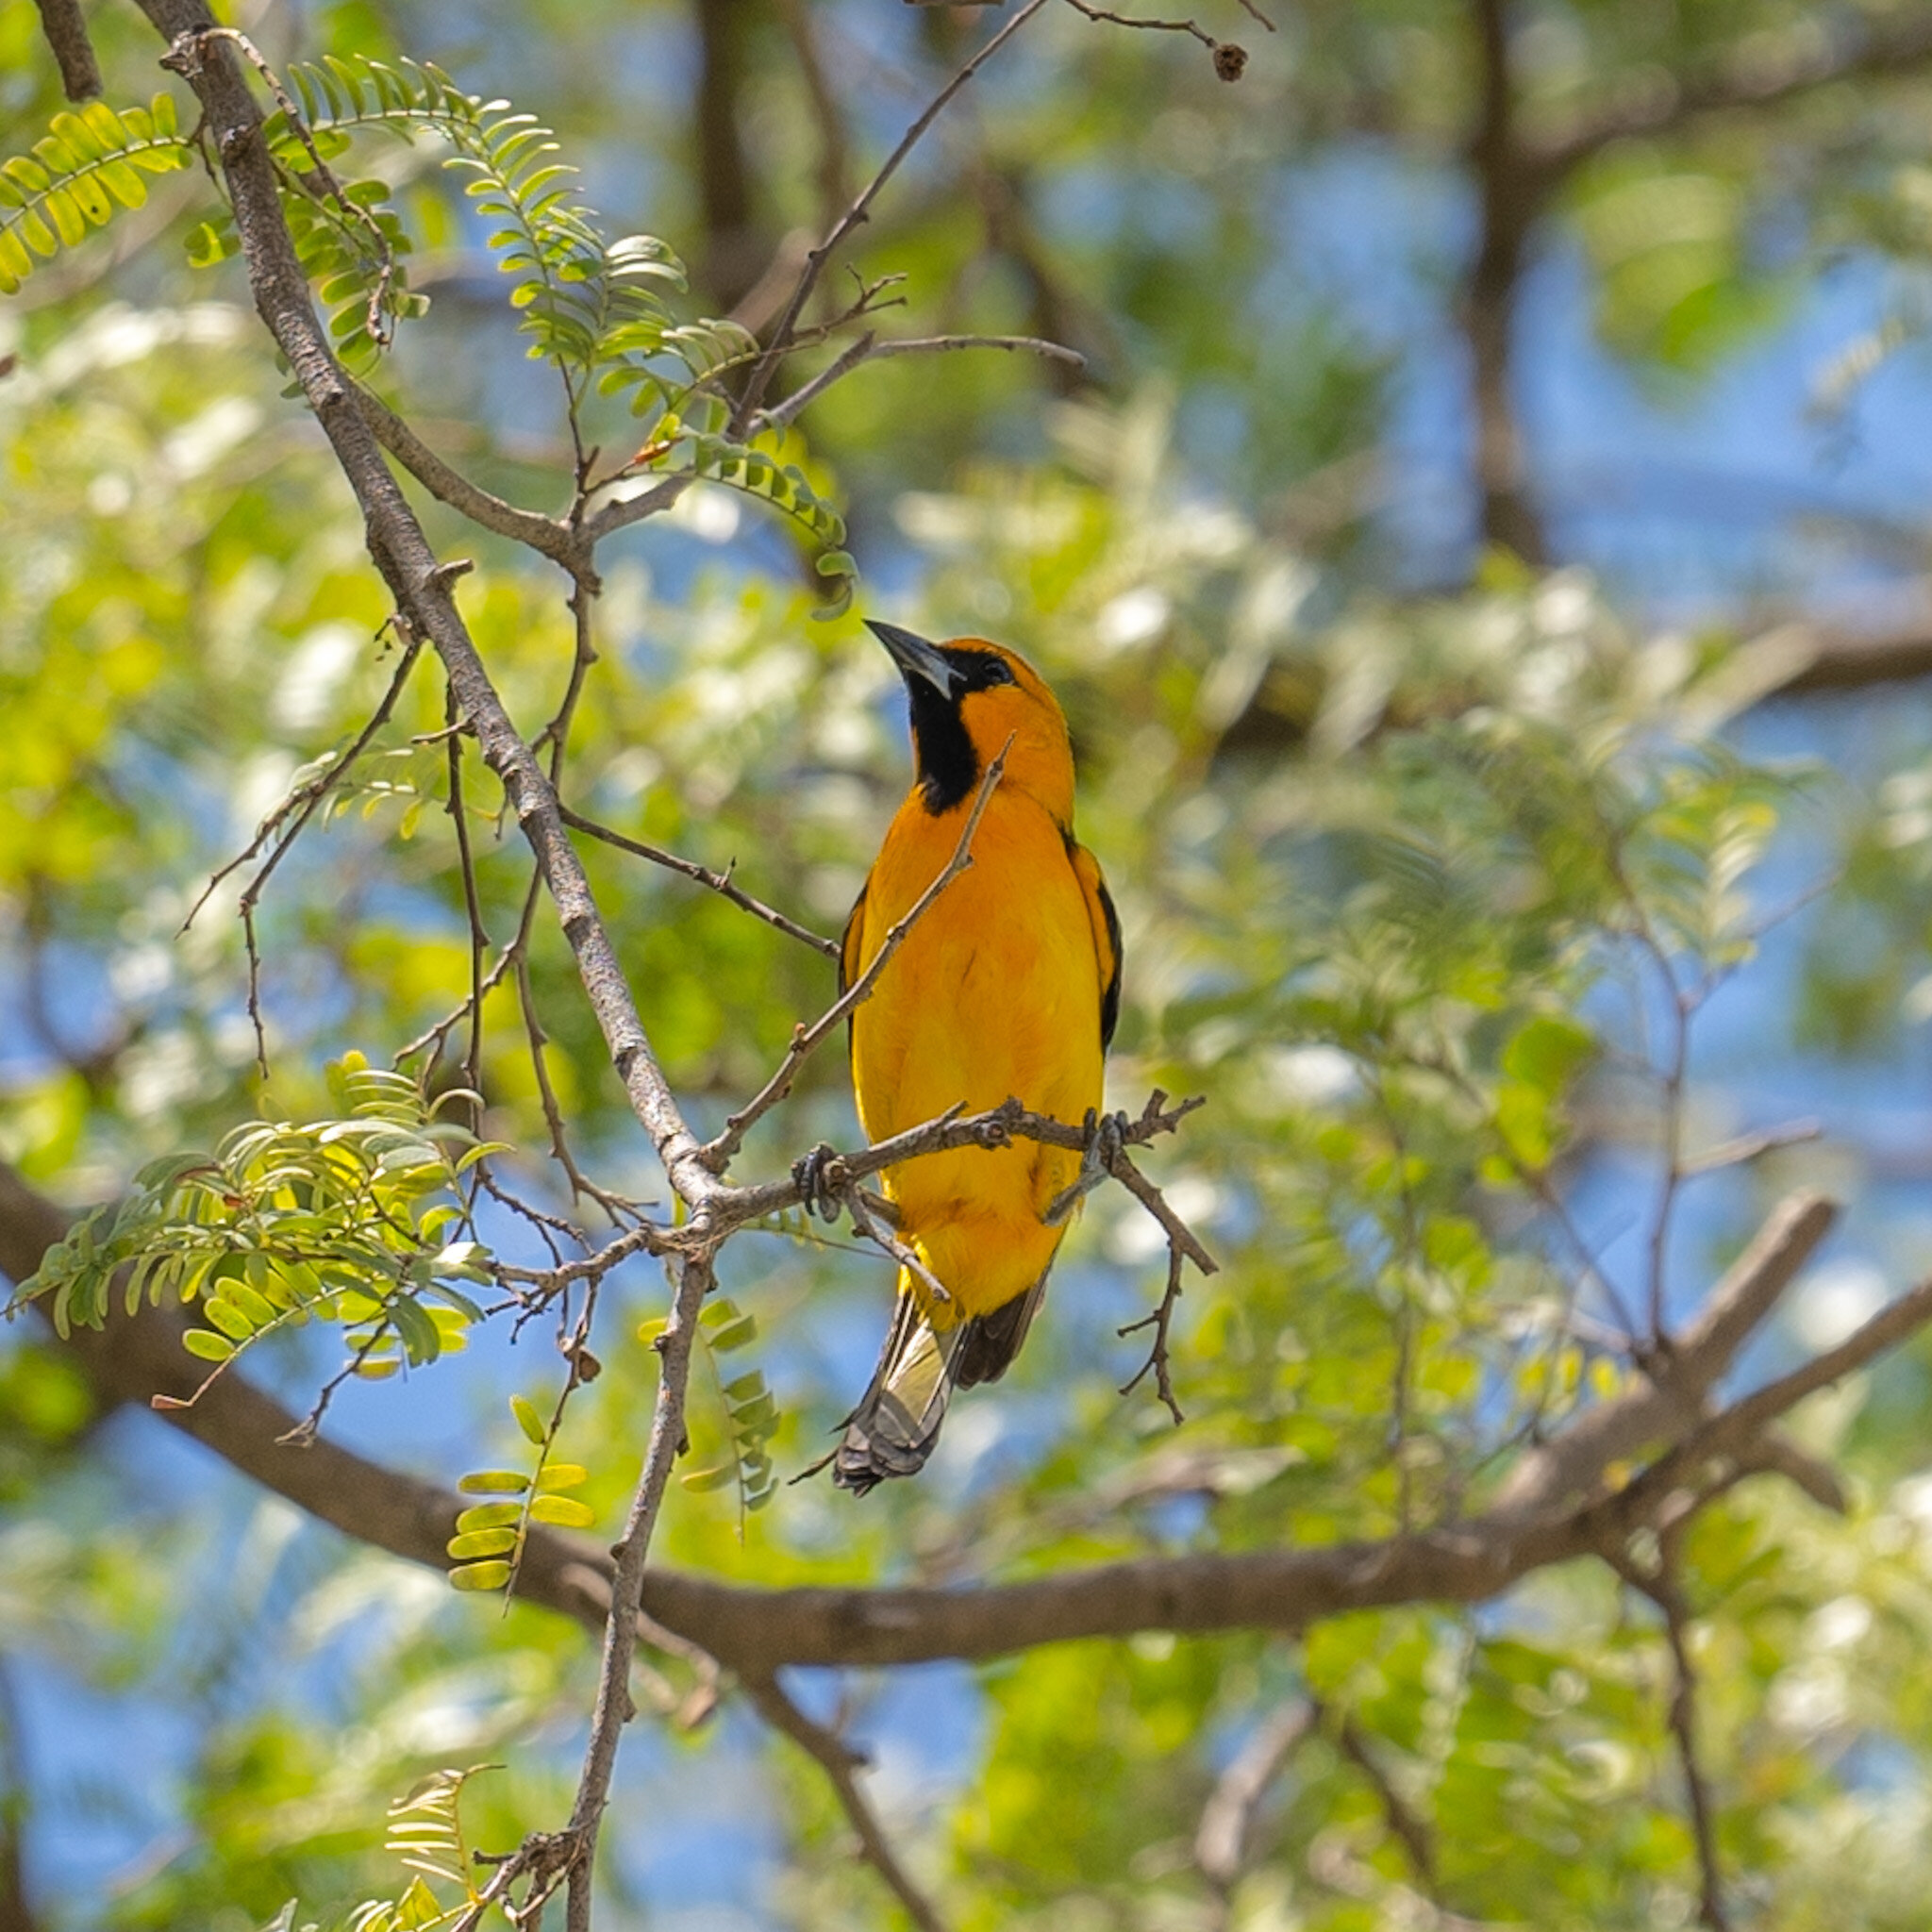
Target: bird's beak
[[915, 658]]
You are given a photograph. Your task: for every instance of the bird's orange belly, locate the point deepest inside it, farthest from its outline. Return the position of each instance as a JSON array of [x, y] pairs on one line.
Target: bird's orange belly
[[994, 992]]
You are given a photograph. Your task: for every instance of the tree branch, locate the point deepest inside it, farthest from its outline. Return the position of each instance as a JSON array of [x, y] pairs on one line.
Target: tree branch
[[816, 260], [1673, 1398], [614, 1709], [549, 537], [841, 1762], [1221, 1839], [1510, 196], [65, 27], [1891, 45], [420, 584], [754, 1631]]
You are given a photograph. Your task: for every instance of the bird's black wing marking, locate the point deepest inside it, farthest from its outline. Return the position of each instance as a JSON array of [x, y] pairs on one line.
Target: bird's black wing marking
[[987, 1343], [849, 968], [1110, 995]]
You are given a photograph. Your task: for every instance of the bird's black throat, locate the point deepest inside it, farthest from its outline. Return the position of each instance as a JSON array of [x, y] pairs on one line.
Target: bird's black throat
[[948, 764]]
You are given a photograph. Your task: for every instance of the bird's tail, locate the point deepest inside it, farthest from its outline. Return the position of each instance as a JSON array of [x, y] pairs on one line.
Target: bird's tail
[[892, 1430]]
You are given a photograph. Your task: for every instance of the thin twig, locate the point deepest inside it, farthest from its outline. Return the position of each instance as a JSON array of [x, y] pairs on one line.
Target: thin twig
[[874, 1229], [869, 348], [1749, 1147], [1413, 1832], [1159, 27], [717, 1153], [431, 1040], [1660, 1582], [472, 906], [614, 1709], [580, 1184], [783, 335], [1159, 1320], [719, 882], [1227, 1819], [642, 1239], [835, 189], [1678, 1388], [303, 803], [308, 796], [840, 1763]]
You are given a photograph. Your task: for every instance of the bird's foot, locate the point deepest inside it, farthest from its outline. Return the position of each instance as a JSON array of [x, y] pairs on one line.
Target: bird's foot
[[1105, 1137], [811, 1175]]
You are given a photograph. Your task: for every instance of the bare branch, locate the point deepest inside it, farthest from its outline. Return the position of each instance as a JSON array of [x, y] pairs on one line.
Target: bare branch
[[1745, 1148], [1007, 1121], [1221, 1839], [1160, 27], [719, 882], [430, 1041], [1161, 1320], [841, 1762], [835, 188], [1413, 1832], [545, 535], [717, 1153], [1889, 45], [868, 348], [815, 260], [614, 1709], [1673, 1398], [65, 27], [306, 798]]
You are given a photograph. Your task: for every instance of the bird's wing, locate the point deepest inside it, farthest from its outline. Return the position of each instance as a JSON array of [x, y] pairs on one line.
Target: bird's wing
[[851, 947], [1106, 938], [852, 940]]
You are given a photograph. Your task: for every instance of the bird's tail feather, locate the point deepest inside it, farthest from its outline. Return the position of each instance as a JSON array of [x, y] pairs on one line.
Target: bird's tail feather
[[892, 1430]]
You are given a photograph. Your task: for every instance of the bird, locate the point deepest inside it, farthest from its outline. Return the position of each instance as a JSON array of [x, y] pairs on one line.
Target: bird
[[1007, 986]]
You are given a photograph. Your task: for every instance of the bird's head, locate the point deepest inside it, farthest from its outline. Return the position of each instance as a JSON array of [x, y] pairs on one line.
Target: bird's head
[[968, 698]]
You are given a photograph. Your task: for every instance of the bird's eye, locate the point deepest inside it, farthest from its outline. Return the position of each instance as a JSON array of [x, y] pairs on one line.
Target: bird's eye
[[998, 672]]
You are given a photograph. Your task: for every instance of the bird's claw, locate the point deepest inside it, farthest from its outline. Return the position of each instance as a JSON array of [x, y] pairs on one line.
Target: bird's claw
[[809, 1174], [1106, 1141]]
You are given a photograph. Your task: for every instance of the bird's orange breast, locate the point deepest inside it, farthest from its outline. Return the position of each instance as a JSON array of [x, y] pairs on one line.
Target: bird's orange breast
[[995, 992]]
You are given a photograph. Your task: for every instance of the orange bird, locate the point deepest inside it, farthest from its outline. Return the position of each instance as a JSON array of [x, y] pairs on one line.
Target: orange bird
[[1007, 985]]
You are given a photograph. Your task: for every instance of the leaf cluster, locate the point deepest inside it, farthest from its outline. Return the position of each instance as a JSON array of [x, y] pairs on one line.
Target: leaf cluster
[[488, 1540], [342, 1220], [84, 171]]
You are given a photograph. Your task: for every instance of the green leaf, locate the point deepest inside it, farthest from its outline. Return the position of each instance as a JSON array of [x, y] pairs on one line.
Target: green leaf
[[227, 1318], [528, 1419], [489, 1516], [481, 1577], [491, 1482], [209, 1346], [483, 1542], [1547, 1050], [565, 1510], [735, 1335]]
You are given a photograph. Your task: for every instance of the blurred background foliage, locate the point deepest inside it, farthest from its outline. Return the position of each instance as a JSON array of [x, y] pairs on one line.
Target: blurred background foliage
[[1501, 430]]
